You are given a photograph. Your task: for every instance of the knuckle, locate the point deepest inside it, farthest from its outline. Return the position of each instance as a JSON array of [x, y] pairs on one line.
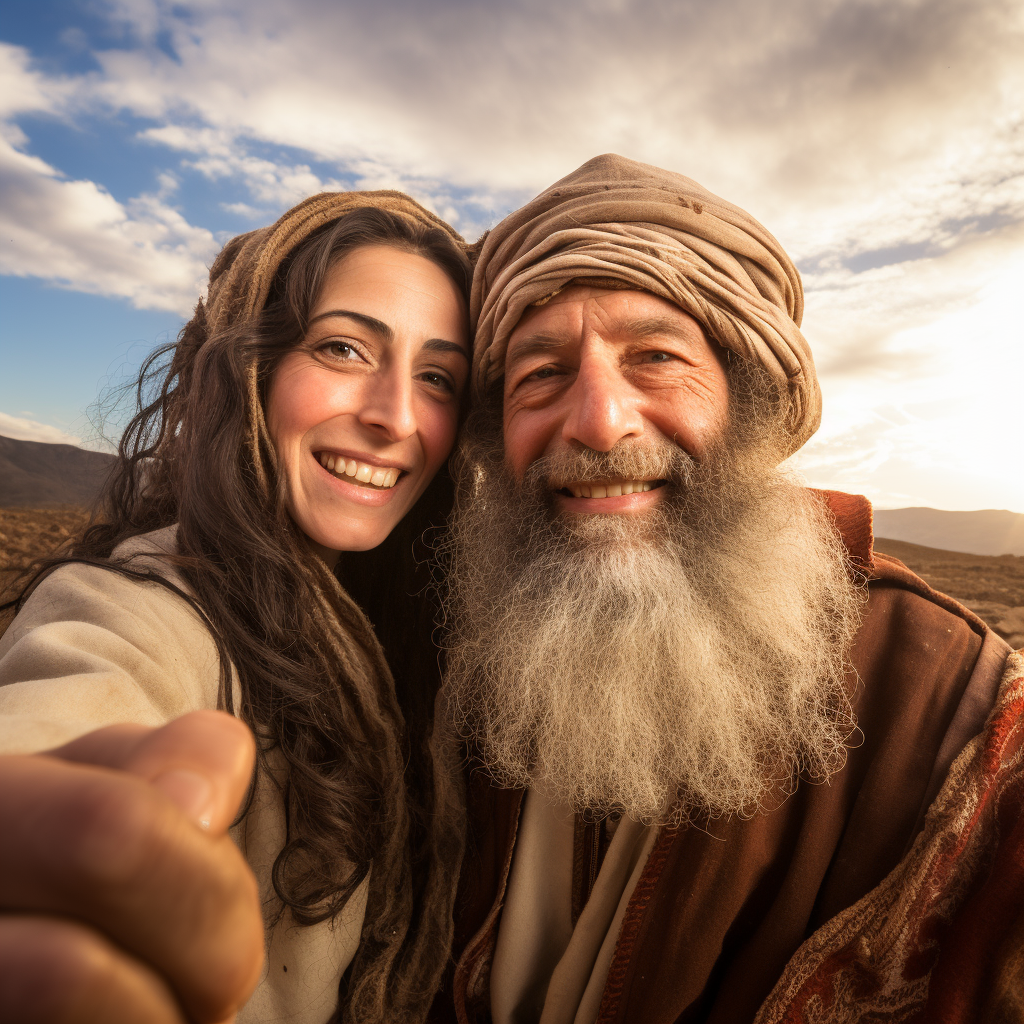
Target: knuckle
[[112, 833]]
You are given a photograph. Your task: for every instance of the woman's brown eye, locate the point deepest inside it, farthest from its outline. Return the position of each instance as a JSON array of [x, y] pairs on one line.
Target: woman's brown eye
[[437, 380], [340, 350]]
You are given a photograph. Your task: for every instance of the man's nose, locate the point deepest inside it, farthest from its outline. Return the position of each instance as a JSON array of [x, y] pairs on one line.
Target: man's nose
[[388, 404], [603, 406]]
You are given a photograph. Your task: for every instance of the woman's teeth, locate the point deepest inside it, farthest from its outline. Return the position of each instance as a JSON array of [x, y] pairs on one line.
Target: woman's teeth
[[360, 472], [610, 490]]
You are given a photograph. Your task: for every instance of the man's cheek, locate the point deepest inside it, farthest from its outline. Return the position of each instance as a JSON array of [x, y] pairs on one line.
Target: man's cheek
[[519, 447]]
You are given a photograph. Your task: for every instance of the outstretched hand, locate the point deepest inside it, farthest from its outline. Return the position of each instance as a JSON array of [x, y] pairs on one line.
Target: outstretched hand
[[122, 898]]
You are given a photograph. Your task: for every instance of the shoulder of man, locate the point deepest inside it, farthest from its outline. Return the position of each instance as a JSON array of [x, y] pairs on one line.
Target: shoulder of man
[[853, 517], [942, 937]]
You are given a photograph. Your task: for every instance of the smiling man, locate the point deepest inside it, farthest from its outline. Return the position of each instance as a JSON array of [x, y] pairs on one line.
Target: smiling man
[[662, 649]]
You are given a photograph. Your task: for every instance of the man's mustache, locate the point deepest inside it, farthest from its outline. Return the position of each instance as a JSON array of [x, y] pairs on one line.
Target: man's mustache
[[656, 459]]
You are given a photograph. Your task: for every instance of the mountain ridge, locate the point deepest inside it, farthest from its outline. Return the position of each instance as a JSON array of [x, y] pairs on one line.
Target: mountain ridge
[[983, 532], [39, 474]]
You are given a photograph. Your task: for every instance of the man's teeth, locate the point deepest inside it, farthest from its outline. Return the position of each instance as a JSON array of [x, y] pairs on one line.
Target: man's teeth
[[610, 490], [361, 472]]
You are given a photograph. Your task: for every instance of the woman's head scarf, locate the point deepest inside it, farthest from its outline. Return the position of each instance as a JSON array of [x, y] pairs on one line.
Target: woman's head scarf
[[619, 223], [243, 272]]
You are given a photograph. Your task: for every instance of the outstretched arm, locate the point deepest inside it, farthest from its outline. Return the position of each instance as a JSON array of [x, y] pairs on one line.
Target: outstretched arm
[[123, 898]]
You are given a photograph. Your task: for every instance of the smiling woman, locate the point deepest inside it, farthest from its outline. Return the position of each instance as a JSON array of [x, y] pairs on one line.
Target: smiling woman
[[363, 413], [303, 417]]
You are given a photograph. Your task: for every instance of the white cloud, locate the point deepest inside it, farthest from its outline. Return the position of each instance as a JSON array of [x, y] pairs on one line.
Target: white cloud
[[74, 233], [275, 186], [921, 369], [827, 103], [854, 128], [881, 140], [22, 429]]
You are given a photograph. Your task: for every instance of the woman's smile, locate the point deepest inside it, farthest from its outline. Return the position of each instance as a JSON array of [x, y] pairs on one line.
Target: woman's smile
[[364, 411], [354, 470], [359, 480]]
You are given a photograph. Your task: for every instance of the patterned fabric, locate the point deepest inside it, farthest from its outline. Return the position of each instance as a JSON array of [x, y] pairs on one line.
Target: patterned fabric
[[940, 938]]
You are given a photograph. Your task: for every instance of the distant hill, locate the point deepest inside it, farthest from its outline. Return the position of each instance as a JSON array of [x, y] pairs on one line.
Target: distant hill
[[988, 532], [34, 474]]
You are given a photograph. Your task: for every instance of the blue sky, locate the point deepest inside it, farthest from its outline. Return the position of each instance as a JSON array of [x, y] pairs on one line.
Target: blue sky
[[882, 142]]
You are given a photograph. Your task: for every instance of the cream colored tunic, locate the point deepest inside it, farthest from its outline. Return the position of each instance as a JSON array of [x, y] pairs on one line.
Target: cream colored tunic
[[545, 970], [92, 648]]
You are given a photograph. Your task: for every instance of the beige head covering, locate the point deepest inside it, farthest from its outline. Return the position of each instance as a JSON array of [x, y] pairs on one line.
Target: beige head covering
[[660, 232], [243, 272]]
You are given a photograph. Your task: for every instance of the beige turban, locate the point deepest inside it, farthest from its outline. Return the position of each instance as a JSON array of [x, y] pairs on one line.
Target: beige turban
[[243, 272], [660, 232]]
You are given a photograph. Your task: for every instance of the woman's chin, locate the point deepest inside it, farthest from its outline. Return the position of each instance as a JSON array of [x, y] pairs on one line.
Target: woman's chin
[[358, 534]]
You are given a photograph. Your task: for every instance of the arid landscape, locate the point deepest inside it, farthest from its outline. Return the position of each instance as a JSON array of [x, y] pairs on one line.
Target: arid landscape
[[29, 533], [990, 585]]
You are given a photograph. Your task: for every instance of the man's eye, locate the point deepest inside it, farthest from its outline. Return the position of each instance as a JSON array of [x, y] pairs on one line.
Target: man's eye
[[543, 374], [660, 357]]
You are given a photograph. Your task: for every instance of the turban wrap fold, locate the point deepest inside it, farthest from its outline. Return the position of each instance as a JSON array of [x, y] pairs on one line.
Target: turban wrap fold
[[622, 223]]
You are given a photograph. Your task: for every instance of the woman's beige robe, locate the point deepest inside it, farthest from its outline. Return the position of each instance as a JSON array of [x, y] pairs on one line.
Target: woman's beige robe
[[92, 648]]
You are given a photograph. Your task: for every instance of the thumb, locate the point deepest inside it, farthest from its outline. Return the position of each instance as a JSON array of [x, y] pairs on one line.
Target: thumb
[[202, 762]]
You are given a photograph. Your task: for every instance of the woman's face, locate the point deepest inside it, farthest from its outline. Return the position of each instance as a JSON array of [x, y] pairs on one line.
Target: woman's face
[[364, 410]]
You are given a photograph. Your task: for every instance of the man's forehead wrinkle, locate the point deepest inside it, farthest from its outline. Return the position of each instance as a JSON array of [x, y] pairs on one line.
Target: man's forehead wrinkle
[[613, 324]]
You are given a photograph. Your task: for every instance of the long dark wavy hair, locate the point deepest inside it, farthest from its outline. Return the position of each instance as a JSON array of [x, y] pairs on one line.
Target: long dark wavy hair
[[363, 784]]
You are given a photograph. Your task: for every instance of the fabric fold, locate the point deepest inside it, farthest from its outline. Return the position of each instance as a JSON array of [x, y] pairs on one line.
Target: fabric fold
[[622, 223]]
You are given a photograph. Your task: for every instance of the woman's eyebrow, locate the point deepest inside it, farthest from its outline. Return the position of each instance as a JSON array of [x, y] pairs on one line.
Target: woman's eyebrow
[[440, 345], [371, 323]]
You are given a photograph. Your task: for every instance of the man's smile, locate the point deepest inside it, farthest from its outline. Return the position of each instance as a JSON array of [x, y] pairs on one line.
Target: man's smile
[[595, 497], [607, 488]]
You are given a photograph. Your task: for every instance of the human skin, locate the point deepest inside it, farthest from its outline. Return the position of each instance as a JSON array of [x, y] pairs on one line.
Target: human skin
[[124, 898], [375, 383], [593, 367], [115, 842]]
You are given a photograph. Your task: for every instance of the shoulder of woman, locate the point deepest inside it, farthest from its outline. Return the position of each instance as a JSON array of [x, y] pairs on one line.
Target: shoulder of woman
[[86, 592], [148, 551], [92, 645]]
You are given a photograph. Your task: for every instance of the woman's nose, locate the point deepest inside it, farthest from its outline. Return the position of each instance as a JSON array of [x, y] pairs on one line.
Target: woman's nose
[[388, 404]]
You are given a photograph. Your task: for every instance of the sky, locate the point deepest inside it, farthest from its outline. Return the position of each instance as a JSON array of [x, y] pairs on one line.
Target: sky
[[882, 142]]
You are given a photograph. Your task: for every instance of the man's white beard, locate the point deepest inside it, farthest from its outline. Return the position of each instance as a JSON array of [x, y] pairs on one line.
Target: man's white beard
[[691, 661]]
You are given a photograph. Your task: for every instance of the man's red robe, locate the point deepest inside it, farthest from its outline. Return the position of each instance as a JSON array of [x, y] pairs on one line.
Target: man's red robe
[[895, 892]]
